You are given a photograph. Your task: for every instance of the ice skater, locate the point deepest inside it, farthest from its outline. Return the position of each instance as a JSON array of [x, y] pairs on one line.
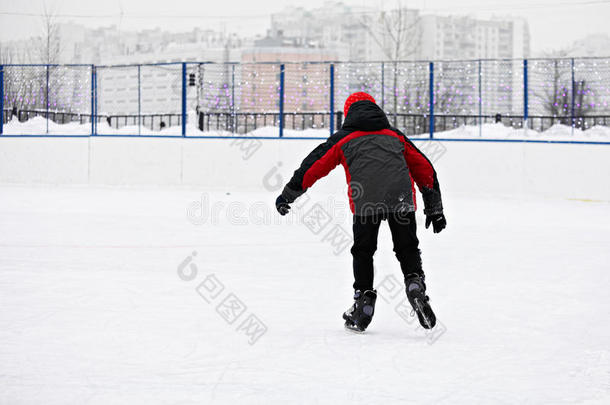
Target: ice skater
[[380, 165]]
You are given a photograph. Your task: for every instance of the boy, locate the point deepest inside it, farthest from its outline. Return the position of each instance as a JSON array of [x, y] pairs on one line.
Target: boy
[[380, 165]]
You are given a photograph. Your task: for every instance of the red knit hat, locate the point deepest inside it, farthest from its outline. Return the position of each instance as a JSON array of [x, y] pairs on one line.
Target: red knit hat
[[359, 96]]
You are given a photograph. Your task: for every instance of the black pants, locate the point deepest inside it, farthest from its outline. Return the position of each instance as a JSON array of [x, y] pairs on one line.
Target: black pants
[[406, 246]]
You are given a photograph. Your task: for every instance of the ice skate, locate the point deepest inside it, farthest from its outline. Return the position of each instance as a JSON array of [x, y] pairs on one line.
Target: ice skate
[[359, 315], [416, 293]]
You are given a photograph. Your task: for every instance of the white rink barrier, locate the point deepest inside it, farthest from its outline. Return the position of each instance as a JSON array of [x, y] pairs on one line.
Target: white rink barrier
[[555, 170]]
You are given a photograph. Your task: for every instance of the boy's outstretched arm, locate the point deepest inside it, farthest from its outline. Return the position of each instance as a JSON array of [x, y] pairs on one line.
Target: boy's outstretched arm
[[423, 173], [316, 165]]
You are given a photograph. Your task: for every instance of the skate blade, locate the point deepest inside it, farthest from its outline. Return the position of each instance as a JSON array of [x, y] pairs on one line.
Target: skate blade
[[425, 321], [350, 327]]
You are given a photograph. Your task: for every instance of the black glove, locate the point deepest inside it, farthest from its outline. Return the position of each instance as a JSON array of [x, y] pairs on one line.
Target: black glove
[[281, 205], [438, 222]]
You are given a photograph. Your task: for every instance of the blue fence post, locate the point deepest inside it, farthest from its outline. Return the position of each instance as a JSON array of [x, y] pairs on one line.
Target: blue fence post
[[525, 95], [96, 102], [233, 120], [139, 102], [383, 86], [281, 100], [332, 98], [47, 99], [431, 116], [93, 99], [480, 101], [1, 99], [573, 98], [183, 99]]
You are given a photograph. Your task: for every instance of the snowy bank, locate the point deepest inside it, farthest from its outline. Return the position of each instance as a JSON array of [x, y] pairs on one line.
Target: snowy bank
[[38, 126], [499, 131]]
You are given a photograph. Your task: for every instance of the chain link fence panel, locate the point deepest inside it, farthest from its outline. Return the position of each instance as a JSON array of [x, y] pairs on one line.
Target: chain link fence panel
[[47, 100], [238, 98]]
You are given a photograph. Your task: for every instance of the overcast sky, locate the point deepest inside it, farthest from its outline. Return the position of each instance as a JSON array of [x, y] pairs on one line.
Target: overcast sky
[[553, 23]]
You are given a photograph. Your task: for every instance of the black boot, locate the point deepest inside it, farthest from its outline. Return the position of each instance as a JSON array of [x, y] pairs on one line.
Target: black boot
[[359, 316], [416, 293]]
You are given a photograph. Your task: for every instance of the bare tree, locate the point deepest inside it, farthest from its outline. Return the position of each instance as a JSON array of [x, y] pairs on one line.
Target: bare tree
[[37, 88], [6, 57], [415, 101], [20, 83], [560, 97], [49, 49], [398, 34], [447, 99]]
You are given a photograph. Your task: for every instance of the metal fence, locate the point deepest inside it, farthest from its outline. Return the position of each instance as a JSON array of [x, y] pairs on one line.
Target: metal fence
[[230, 99]]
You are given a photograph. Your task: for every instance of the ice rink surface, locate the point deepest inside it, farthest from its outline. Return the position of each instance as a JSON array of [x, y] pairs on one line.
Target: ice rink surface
[[100, 304]]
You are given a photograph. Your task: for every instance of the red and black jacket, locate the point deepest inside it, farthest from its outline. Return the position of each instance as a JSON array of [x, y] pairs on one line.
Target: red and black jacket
[[380, 165]]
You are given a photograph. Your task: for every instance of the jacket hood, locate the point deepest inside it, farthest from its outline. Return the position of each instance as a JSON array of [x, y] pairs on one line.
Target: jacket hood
[[365, 116]]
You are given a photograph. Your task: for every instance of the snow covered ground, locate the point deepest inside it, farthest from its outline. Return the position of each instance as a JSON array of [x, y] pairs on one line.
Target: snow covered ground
[[498, 131], [38, 126], [102, 302]]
